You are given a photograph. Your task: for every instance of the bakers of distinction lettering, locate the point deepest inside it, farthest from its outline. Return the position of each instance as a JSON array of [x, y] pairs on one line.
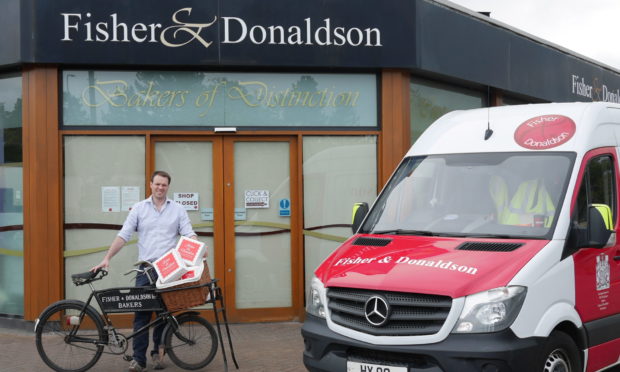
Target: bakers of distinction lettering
[[86, 27], [119, 93]]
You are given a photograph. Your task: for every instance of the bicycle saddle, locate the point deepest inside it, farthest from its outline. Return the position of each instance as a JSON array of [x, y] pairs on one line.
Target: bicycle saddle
[[87, 277]]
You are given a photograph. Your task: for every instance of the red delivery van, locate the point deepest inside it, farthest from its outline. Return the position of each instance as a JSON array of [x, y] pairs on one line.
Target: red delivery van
[[492, 248]]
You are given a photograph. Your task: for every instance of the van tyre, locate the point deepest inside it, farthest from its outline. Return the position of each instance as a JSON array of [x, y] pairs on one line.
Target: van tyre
[[560, 354]]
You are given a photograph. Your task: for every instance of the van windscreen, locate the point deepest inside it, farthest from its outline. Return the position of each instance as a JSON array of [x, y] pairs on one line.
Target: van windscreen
[[515, 195]]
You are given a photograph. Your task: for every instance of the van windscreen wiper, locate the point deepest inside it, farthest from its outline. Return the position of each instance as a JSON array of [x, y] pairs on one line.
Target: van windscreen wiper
[[494, 236], [403, 232]]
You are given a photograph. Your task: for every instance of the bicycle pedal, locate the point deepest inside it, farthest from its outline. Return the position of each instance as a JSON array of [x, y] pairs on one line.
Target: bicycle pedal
[[127, 358]]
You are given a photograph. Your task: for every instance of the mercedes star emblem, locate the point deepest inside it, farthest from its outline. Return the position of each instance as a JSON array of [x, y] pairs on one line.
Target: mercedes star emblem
[[377, 310]]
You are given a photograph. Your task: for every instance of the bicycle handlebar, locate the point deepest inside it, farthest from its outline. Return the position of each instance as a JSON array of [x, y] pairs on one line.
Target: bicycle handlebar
[[138, 271], [91, 276], [144, 267]]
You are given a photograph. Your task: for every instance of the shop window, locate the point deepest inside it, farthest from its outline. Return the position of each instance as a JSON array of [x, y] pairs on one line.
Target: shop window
[[186, 99], [430, 100], [11, 196], [104, 176], [338, 171]]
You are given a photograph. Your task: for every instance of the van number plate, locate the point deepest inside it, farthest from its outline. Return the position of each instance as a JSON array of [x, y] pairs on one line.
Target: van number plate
[[367, 367]]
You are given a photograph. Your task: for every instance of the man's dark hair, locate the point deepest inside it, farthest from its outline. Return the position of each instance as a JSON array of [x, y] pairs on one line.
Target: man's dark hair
[[162, 174]]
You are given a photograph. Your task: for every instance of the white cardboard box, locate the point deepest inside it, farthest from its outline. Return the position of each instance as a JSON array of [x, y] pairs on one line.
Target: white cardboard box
[[193, 274], [191, 251], [170, 267]]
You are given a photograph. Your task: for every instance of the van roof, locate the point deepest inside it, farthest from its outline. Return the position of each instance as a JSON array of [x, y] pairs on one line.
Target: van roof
[[576, 127]]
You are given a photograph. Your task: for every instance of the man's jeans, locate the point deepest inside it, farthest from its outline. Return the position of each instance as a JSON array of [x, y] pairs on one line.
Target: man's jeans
[[142, 318]]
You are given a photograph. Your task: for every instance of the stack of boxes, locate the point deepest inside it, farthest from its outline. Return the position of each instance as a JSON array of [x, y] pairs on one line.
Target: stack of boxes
[[183, 264]]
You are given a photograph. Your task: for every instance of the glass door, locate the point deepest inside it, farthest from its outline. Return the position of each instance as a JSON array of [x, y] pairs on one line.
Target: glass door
[[246, 211], [195, 169], [260, 239]]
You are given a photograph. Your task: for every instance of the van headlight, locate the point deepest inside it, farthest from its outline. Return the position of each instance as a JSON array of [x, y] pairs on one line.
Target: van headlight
[[490, 311], [315, 300]]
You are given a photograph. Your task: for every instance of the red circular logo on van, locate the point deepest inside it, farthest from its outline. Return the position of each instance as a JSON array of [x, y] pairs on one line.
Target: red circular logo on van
[[545, 132]]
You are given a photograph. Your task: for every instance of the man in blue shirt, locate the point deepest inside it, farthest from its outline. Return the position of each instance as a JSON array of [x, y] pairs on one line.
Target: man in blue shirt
[[158, 221]]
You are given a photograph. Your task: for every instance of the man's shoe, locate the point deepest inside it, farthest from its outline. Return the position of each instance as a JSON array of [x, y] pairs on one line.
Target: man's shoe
[[136, 367], [158, 361]]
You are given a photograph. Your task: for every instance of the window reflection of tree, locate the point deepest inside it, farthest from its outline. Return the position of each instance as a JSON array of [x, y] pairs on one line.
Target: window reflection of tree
[[296, 114], [424, 110], [11, 137], [149, 113], [74, 105]]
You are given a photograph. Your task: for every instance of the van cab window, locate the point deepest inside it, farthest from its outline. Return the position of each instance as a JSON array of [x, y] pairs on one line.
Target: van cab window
[[490, 194], [597, 187]]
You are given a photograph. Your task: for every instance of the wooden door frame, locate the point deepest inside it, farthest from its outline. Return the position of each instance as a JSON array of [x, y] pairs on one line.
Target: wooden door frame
[[267, 314], [223, 232], [218, 192]]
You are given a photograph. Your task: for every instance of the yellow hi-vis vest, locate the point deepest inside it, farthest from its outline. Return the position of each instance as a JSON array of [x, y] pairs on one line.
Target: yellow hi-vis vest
[[499, 194], [530, 199]]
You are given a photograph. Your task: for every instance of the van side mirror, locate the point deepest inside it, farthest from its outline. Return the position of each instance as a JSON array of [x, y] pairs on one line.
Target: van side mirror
[[600, 226], [360, 210]]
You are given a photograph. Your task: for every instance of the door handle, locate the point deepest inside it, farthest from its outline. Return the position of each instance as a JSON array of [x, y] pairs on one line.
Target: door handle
[[616, 258]]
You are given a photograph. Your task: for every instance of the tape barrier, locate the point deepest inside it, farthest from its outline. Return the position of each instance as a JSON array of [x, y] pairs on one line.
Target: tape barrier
[[9, 252], [334, 238], [281, 226], [81, 252]]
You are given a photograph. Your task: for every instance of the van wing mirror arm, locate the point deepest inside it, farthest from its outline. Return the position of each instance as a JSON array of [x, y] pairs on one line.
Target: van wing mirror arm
[[599, 232]]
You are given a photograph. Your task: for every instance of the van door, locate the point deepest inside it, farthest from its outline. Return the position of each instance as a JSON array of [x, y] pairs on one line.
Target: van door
[[597, 271]]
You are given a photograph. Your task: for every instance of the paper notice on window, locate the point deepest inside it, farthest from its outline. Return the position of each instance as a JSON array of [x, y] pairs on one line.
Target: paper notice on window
[[256, 198], [110, 199], [130, 195]]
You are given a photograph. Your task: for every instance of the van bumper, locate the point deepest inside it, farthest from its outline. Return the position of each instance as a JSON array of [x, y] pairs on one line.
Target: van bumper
[[327, 351]]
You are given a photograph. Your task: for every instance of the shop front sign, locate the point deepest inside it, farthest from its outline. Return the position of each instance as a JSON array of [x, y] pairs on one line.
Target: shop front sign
[[183, 29], [593, 89], [218, 32]]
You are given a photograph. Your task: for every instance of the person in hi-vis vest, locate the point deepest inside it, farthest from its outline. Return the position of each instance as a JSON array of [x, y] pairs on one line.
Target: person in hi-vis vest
[[530, 205]]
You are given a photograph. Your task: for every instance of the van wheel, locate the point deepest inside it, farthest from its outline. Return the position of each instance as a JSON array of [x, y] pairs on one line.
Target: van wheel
[[560, 354]]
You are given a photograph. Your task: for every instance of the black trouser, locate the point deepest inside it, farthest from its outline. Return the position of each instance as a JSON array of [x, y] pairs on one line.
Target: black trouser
[[142, 318]]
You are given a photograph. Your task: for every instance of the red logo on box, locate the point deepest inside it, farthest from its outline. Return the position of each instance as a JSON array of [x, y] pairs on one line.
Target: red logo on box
[[188, 250], [189, 275], [545, 132], [167, 265]]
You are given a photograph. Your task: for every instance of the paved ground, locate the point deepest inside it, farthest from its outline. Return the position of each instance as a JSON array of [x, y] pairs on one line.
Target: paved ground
[[259, 347]]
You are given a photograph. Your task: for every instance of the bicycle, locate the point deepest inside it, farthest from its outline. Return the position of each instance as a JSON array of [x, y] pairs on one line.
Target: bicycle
[[71, 335]]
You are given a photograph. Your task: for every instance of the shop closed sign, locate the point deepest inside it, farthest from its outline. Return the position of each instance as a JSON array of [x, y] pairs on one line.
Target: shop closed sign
[[188, 200]]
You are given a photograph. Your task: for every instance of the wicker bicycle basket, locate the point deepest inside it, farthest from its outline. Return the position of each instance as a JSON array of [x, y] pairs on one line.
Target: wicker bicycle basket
[[177, 298]]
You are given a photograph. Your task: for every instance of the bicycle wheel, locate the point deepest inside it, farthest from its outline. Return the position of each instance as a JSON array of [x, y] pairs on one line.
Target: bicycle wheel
[[194, 343], [66, 342]]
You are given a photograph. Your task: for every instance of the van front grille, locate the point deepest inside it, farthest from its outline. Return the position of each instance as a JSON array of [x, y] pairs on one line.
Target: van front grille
[[410, 314]]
